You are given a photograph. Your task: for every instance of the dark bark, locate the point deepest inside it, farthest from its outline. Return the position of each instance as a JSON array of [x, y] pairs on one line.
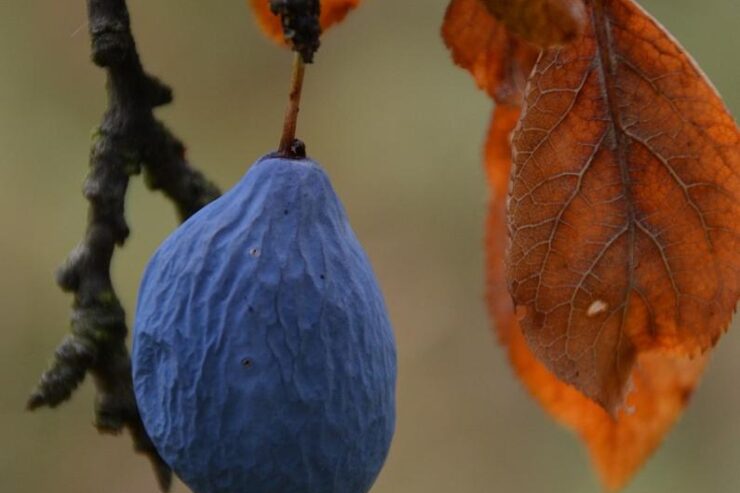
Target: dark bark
[[129, 139], [301, 27]]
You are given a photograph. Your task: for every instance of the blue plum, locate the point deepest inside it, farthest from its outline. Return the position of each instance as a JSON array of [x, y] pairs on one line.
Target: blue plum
[[263, 358]]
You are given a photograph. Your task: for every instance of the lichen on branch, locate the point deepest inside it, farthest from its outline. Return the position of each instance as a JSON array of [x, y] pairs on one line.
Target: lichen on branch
[[129, 139]]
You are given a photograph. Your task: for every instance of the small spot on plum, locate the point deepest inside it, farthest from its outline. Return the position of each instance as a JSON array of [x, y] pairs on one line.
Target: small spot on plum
[[255, 252], [322, 276], [247, 363], [285, 212]]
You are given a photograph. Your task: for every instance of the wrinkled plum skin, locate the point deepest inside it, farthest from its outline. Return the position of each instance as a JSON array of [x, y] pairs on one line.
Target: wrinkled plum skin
[[263, 357]]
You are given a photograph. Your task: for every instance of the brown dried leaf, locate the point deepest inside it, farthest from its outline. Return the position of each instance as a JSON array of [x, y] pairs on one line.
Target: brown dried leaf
[[543, 22], [332, 12], [499, 61], [624, 206], [662, 384]]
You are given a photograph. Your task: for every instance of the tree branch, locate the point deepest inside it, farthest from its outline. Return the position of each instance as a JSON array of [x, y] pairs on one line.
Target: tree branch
[[129, 139], [301, 26]]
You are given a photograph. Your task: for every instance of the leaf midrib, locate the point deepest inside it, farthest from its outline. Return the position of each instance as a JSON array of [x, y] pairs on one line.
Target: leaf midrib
[[607, 67]]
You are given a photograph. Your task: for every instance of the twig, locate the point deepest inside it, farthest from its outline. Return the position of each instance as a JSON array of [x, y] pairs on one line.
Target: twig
[[301, 27], [129, 139]]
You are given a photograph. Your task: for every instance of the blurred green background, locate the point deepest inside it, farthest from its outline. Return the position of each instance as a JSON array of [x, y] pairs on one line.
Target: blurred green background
[[399, 129]]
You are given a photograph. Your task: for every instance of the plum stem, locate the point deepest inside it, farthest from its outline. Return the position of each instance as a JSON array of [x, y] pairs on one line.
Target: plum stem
[[294, 102]]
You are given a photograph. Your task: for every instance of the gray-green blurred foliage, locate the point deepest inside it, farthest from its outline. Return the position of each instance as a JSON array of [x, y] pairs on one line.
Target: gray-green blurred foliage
[[399, 129]]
